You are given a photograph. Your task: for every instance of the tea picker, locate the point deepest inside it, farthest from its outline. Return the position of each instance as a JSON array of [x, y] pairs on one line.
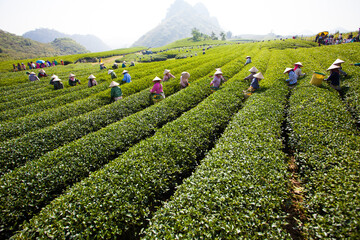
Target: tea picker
[[252, 71], [292, 76], [116, 93], [156, 93], [254, 85]]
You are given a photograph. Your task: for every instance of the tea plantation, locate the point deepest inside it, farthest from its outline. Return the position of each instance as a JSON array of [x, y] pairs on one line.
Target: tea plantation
[[281, 164]]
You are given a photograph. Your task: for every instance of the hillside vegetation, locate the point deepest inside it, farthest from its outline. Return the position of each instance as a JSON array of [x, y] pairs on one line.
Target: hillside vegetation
[[282, 163]]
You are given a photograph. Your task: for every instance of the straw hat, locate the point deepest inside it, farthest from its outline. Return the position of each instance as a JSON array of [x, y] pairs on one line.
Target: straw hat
[[53, 76], [114, 84], [333, 67], [33, 73], [124, 61], [91, 77], [253, 69], [185, 75], [166, 71], [125, 71], [288, 70], [101, 63], [110, 71], [259, 75], [218, 69], [248, 57], [338, 61], [156, 79], [72, 75], [298, 63], [218, 72], [57, 79], [42, 70]]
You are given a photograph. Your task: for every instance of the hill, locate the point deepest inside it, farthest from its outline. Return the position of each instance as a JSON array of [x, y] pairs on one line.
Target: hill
[[180, 19], [45, 35], [17, 47]]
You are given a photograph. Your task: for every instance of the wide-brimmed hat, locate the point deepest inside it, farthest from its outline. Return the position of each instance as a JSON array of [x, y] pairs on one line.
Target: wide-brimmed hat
[[156, 79], [166, 71], [185, 75], [248, 57], [218, 69], [42, 70], [218, 72], [57, 79], [288, 70], [110, 71], [124, 61], [298, 63], [114, 84], [72, 75], [101, 63], [125, 71], [259, 75], [32, 73], [91, 77], [333, 67], [338, 61], [54, 76], [253, 69]]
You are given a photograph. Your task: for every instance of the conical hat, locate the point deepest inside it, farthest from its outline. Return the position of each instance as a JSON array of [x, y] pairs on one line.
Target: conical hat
[[259, 75], [298, 63], [166, 71], [248, 57], [288, 70], [57, 79], [110, 71], [333, 67], [218, 72], [125, 71], [113, 84], [156, 79], [124, 61], [54, 76], [33, 73], [218, 69], [72, 75], [91, 77], [185, 75], [253, 69], [338, 61], [42, 70]]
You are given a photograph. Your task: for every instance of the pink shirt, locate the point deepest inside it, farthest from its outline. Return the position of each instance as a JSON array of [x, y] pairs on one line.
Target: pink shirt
[[168, 76], [157, 88], [216, 81]]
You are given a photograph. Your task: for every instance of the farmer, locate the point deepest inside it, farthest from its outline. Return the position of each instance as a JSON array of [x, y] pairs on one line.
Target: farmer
[[297, 69], [334, 78], [156, 93], [127, 77], [92, 82], [184, 80], [115, 66], [132, 64], [254, 85], [72, 80], [42, 73], [116, 93], [216, 82], [338, 62], [252, 71], [292, 76], [102, 66], [123, 65], [167, 75], [52, 79], [57, 83], [113, 74], [33, 77], [248, 60]]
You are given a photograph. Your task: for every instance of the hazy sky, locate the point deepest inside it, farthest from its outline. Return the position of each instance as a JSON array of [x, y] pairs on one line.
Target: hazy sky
[[119, 23]]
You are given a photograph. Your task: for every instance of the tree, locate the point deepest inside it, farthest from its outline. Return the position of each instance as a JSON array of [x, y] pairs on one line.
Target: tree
[[213, 36], [196, 34], [222, 35]]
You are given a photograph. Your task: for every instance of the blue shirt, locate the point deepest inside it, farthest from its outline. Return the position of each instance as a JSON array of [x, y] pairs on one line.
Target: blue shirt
[[292, 78], [248, 60], [127, 78], [255, 83]]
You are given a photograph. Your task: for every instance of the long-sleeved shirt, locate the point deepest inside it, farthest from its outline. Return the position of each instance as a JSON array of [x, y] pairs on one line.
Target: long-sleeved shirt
[[248, 60], [92, 82], [167, 77], [183, 82], [299, 73], [216, 81], [334, 79], [127, 78], [251, 76], [42, 75], [157, 88], [255, 83], [73, 82], [33, 77], [58, 85], [113, 75], [292, 78], [116, 92]]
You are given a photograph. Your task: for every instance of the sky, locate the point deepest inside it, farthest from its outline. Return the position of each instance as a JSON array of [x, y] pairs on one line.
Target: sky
[[120, 23]]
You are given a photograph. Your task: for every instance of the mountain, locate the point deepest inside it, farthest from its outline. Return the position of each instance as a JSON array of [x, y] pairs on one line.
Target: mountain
[[180, 19], [45, 35], [18, 47]]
